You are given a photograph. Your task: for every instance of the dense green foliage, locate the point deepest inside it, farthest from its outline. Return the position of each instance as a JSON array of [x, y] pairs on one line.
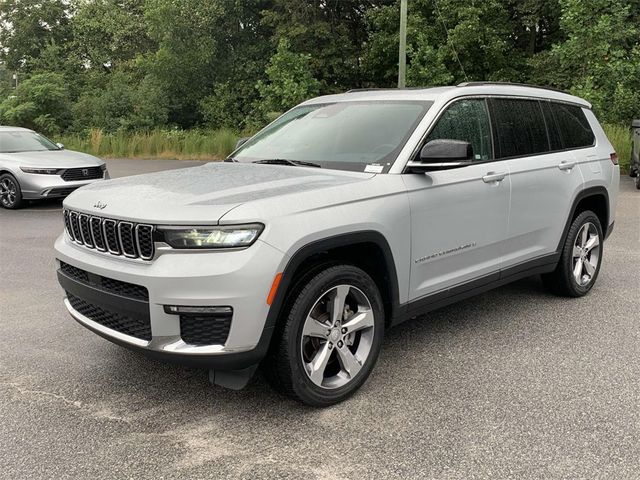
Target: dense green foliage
[[128, 66]]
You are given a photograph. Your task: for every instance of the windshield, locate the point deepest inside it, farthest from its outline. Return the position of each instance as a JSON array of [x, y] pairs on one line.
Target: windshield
[[356, 136], [21, 141]]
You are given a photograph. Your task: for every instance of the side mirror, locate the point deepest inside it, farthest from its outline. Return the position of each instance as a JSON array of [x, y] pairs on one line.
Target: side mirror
[[443, 154], [635, 123], [60, 146], [241, 141]]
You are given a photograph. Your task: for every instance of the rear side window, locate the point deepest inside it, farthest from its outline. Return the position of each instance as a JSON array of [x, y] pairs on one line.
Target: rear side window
[[552, 128], [573, 126], [519, 127]]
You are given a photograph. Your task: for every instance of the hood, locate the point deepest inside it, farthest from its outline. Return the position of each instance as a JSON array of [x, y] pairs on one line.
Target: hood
[[52, 159], [200, 195]]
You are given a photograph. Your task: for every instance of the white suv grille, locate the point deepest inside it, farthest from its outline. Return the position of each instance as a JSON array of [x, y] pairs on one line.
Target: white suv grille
[[108, 235]]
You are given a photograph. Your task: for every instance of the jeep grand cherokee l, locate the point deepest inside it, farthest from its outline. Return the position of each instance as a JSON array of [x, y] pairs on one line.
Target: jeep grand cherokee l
[[347, 215]]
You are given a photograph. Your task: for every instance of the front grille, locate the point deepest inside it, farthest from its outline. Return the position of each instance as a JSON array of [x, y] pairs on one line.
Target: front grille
[[61, 192], [135, 327], [205, 330], [84, 173], [108, 235], [74, 272], [109, 285]]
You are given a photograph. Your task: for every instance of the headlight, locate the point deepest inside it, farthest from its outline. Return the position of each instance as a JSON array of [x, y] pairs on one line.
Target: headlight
[[40, 171], [223, 236], [103, 167]]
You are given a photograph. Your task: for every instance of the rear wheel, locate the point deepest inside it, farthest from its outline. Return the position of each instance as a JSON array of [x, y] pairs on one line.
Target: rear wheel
[[330, 340], [580, 260], [10, 193], [638, 181]]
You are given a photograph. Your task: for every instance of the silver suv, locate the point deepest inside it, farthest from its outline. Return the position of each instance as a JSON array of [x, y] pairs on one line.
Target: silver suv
[[347, 215]]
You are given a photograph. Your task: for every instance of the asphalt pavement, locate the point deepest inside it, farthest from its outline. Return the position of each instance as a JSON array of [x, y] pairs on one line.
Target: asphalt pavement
[[515, 383]]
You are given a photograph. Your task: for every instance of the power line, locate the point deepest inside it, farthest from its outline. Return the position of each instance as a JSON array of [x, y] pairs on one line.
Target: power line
[[449, 42]]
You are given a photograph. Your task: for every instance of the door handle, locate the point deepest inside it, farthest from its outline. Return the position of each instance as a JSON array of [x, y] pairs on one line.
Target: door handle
[[494, 177], [566, 165]]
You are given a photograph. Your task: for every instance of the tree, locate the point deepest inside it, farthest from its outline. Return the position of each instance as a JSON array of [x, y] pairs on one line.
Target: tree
[[600, 58], [41, 103], [289, 81], [29, 27]]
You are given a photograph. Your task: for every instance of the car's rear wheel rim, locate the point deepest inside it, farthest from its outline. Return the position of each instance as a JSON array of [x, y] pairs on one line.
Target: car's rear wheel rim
[[586, 254], [337, 336], [8, 192]]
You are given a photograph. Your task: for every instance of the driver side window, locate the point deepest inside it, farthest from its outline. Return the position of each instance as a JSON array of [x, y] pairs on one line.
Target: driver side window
[[466, 120]]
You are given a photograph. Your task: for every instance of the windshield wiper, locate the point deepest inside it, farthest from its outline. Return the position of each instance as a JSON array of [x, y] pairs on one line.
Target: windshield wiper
[[283, 161]]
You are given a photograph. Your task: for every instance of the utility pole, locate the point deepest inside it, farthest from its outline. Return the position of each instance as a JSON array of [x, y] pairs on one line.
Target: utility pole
[[402, 54]]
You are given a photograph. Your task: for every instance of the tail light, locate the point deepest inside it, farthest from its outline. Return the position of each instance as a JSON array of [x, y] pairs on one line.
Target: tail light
[[614, 158]]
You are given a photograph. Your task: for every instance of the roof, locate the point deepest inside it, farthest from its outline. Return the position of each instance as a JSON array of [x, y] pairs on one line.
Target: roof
[[6, 128], [447, 93]]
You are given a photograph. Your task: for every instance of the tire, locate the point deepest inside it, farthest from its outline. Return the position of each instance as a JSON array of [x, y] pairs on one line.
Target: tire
[[568, 279], [10, 193], [638, 181], [306, 335], [633, 170]]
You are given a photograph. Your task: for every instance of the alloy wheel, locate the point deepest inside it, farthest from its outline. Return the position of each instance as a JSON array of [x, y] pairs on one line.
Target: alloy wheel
[[337, 336], [8, 192], [586, 254]]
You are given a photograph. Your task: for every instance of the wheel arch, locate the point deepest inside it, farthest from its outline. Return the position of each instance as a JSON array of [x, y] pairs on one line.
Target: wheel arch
[[360, 248], [595, 199]]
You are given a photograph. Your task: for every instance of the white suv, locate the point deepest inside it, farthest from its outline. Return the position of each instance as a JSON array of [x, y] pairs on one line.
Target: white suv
[[347, 215]]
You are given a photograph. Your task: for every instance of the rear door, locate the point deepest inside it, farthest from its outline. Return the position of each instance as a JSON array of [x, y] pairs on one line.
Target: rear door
[[544, 177], [458, 216]]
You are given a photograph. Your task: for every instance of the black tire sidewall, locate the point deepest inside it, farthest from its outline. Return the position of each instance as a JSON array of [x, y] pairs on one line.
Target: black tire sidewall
[[567, 255], [302, 385], [18, 201]]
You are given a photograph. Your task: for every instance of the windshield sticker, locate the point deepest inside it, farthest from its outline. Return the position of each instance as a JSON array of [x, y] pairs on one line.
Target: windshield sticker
[[371, 168]]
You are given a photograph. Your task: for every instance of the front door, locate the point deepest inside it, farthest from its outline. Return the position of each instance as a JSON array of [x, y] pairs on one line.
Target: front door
[[459, 216]]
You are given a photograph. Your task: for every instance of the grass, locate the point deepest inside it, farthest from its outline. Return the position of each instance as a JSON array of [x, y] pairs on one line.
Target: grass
[[217, 144], [620, 138], [170, 144]]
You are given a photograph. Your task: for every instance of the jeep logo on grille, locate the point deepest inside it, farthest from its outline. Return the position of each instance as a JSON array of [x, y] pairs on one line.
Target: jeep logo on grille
[[85, 172], [100, 205]]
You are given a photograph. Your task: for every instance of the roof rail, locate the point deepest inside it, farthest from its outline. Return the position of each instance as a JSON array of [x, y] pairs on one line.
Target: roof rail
[[382, 89], [513, 84]]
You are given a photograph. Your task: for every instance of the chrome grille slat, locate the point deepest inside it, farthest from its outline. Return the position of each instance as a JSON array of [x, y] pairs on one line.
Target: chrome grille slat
[[95, 224], [127, 242], [107, 235], [75, 227], [85, 232]]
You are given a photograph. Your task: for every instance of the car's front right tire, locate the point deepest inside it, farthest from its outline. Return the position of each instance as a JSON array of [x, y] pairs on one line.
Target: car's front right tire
[[10, 193], [329, 339]]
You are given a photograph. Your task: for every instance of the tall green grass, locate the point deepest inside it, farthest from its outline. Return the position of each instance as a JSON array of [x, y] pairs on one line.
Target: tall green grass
[[217, 144], [173, 144], [620, 138]]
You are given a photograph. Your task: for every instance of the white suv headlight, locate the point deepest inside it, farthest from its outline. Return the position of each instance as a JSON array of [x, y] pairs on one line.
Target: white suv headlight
[[223, 236]]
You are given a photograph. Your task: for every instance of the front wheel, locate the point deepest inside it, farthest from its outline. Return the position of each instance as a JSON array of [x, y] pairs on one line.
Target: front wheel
[[328, 343], [638, 181], [10, 193], [580, 259]]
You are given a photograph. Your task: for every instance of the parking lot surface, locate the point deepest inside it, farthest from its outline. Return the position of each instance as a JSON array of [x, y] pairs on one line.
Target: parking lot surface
[[515, 383]]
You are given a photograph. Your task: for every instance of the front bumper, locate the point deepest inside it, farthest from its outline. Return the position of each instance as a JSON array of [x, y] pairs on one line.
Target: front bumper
[[240, 279], [35, 186]]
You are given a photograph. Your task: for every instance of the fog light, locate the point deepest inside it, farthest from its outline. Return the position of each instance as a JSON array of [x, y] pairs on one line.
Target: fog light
[[195, 310]]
